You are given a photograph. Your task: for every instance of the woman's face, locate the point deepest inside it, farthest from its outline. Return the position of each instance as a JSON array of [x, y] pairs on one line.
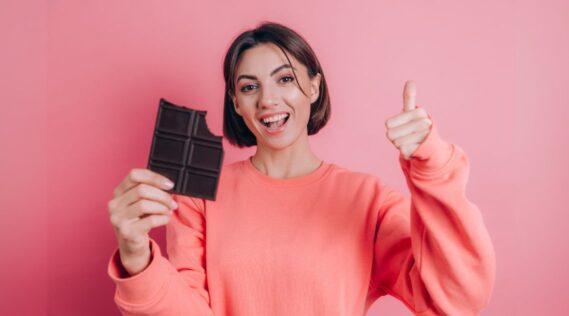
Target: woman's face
[[268, 97]]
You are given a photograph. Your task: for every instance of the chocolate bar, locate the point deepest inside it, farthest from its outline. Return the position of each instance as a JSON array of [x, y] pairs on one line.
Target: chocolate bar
[[185, 151]]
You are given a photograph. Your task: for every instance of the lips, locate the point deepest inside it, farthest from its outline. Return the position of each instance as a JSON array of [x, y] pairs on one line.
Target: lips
[[276, 130]]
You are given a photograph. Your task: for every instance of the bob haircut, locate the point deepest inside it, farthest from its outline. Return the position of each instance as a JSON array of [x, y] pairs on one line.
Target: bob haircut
[[234, 128]]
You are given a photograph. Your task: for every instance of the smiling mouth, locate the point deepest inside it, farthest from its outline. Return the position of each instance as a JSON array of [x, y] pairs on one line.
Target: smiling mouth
[[276, 124]]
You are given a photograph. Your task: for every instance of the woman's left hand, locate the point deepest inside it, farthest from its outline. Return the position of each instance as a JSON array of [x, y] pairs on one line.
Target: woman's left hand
[[408, 129]]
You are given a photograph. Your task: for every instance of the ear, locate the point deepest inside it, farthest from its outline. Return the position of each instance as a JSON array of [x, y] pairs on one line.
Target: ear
[[315, 88]]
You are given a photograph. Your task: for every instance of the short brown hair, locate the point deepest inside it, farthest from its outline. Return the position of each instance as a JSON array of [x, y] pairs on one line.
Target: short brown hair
[[234, 128]]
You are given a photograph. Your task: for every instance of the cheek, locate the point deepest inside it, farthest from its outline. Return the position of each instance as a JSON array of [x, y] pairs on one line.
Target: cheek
[[293, 93], [299, 102], [246, 104]]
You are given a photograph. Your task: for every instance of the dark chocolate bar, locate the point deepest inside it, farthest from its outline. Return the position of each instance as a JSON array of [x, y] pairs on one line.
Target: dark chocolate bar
[[185, 151]]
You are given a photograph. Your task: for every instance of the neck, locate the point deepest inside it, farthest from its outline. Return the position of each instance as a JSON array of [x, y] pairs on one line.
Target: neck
[[294, 161]]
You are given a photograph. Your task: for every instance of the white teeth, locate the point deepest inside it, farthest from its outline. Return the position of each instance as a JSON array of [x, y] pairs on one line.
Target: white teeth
[[274, 118]]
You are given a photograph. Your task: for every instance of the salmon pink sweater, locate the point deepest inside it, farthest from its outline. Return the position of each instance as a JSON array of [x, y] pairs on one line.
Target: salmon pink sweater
[[327, 243]]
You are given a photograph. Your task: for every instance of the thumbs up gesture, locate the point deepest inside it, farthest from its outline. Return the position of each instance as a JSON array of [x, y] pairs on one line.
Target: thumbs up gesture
[[408, 129]]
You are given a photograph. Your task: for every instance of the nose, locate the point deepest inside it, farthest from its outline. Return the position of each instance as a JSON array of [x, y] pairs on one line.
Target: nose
[[269, 97]]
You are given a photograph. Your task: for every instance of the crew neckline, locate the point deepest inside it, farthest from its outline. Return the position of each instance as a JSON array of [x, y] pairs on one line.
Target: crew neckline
[[260, 177]]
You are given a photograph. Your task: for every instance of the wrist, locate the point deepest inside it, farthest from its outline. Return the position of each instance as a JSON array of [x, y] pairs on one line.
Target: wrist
[[133, 265]]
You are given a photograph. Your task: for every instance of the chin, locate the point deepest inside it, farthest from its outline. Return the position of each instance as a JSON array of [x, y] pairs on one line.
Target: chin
[[279, 143], [275, 144]]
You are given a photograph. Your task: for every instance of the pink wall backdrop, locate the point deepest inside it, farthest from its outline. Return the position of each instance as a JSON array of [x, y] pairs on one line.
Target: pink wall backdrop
[[81, 81]]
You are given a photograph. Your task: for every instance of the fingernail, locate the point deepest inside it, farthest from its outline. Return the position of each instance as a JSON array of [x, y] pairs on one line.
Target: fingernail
[[168, 184], [174, 205]]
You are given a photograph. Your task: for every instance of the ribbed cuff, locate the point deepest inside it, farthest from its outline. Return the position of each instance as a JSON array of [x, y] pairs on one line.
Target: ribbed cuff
[[433, 153], [144, 286]]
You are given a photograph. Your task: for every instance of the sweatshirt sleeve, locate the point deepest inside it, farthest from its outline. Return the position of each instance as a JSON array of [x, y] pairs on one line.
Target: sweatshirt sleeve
[[433, 253], [174, 286]]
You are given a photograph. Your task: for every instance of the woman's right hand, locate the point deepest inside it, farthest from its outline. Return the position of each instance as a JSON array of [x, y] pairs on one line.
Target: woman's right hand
[[140, 203]]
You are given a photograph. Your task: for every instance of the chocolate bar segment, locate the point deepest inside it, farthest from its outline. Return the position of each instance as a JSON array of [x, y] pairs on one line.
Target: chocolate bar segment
[[185, 151]]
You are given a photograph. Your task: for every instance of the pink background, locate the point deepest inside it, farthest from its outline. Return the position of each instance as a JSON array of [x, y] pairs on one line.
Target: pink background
[[81, 81]]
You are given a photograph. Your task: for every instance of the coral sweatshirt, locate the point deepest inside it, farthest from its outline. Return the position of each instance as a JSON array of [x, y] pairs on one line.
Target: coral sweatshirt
[[327, 243]]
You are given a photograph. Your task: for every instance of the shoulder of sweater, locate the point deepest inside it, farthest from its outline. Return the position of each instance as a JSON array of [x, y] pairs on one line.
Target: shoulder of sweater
[[231, 167]]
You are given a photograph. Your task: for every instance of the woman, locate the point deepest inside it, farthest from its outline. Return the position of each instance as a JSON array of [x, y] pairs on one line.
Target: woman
[[291, 234]]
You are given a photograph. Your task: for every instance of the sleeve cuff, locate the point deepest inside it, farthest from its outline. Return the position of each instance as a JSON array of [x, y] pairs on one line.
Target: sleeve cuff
[[144, 286], [433, 153]]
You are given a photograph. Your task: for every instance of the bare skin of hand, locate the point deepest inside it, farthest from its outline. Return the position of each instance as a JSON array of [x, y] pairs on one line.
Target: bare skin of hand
[[408, 129], [140, 203]]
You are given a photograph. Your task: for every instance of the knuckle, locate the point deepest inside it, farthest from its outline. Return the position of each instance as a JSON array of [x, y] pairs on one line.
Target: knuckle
[[116, 192], [111, 205], [114, 220], [133, 174]]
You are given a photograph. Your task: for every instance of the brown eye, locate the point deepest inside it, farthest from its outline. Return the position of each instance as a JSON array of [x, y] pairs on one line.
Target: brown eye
[[245, 88], [287, 77]]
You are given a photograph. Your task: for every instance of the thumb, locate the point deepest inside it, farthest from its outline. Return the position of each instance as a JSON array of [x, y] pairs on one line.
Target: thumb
[[409, 93]]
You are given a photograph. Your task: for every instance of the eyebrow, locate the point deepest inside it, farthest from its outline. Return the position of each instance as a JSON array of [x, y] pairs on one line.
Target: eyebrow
[[272, 73]]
